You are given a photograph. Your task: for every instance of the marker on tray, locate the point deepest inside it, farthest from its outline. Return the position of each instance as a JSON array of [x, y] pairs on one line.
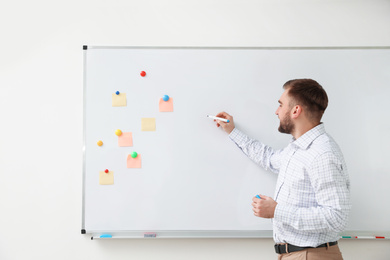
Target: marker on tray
[[219, 118], [365, 237]]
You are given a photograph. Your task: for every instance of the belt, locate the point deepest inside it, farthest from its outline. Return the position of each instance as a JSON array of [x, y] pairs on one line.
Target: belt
[[287, 248]]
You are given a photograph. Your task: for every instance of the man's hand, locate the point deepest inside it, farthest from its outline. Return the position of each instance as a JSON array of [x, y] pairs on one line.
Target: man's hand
[[228, 127], [264, 207]]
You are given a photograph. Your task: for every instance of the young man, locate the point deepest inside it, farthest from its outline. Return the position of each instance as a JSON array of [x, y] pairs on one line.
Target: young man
[[312, 196]]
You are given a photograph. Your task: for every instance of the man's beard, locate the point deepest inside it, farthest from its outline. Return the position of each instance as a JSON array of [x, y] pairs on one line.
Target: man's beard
[[286, 125]]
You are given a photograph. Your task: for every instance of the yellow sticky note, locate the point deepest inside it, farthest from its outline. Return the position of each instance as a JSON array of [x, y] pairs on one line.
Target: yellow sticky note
[[148, 124], [119, 100], [106, 178], [165, 106]]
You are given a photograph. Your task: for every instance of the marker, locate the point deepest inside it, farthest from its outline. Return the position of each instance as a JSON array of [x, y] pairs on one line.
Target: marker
[[105, 236], [346, 237], [257, 196], [219, 118], [380, 237], [365, 237]]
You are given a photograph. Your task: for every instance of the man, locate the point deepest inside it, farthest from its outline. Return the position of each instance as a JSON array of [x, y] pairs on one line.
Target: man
[[312, 195]]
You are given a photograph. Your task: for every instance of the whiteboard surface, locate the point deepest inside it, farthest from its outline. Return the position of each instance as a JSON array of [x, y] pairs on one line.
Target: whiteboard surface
[[193, 179]]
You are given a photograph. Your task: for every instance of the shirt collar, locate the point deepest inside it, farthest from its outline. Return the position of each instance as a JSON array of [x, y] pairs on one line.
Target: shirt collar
[[307, 138]]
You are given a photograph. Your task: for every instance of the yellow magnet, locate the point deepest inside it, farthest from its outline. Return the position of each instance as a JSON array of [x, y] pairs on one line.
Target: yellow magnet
[[100, 143], [118, 132]]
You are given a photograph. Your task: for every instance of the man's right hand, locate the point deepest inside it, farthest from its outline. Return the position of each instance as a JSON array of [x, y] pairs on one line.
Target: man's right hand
[[228, 127]]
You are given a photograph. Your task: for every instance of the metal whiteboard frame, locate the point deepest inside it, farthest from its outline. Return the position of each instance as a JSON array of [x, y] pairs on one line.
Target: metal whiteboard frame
[[151, 234]]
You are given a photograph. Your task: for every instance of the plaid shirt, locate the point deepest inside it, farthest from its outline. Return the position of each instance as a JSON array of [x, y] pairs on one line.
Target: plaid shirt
[[312, 190]]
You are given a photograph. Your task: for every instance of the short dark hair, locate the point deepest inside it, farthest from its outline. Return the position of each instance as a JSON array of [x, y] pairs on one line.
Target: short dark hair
[[310, 95]]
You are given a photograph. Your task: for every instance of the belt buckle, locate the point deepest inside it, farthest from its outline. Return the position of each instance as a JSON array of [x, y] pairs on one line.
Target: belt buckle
[[277, 248]]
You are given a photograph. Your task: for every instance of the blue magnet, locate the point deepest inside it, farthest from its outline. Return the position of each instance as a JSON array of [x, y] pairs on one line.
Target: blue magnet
[[165, 97], [117, 92]]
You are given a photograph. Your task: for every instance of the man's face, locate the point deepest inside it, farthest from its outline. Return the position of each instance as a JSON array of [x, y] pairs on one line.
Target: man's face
[[284, 113]]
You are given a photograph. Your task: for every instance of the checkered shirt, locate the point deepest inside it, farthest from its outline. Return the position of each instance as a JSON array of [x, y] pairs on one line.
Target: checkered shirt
[[312, 189]]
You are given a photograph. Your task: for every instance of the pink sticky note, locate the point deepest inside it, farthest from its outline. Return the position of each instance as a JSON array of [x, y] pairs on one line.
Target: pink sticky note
[[134, 162], [125, 139], [166, 106]]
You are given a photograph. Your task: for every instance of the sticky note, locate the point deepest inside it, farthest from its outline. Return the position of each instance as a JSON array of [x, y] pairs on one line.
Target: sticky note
[[119, 100], [106, 178], [148, 124], [125, 139], [166, 106], [134, 162]]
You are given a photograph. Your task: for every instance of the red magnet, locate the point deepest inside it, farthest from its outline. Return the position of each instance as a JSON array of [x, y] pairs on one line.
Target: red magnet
[[106, 171], [143, 73]]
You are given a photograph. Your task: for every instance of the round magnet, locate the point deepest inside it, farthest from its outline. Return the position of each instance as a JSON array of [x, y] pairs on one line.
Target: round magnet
[[143, 73], [106, 171], [117, 92], [100, 143], [134, 155], [165, 98], [118, 132]]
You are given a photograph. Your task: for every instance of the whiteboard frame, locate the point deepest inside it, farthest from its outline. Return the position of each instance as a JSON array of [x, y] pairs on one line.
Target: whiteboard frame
[[121, 234]]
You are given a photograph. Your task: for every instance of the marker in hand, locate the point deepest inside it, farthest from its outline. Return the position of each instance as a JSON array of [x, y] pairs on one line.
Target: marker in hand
[[257, 196], [219, 118]]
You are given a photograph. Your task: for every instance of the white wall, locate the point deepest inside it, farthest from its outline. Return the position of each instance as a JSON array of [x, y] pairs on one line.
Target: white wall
[[41, 105]]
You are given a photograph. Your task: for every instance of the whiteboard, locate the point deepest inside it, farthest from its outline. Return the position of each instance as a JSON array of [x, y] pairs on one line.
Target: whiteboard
[[194, 181]]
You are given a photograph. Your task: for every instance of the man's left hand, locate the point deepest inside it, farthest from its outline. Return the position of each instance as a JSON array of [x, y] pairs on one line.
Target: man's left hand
[[264, 207]]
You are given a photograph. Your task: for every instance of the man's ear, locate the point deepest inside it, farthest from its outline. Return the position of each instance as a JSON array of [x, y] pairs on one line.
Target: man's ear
[[296, 111]]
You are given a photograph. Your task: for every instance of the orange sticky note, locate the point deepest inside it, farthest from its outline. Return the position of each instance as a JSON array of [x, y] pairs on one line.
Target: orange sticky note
[[134, 162], [106, 178], [166, 106], [125, 139]]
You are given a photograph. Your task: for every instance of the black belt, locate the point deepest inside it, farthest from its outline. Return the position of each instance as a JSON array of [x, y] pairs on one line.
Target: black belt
[[287, 248]]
